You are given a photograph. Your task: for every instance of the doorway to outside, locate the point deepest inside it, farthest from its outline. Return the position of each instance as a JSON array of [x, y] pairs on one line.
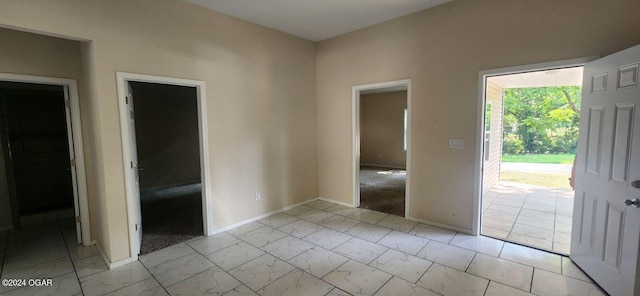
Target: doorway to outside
[[381, 142], [164, 125], [530, 140], [42, 159]]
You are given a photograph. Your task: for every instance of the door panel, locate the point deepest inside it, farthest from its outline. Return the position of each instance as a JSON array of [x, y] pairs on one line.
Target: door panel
[[137, 227], [588, 215], [606, 238], [622, 139], [595, 139]]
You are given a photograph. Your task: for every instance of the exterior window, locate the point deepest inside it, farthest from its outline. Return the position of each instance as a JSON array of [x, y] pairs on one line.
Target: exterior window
[[405, 129], [487, 132]]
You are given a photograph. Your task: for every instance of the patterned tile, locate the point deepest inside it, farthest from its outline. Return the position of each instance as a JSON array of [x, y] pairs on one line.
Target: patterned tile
[[297, 282], [449, 281], [399, 287], [213, 281], [318, 261], [358, 279], [360, 250], [261, 271], [294, 253], [404, 266], [235, 255], [404, 242]]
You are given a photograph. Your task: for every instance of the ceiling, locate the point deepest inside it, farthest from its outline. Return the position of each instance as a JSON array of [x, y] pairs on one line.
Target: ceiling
[[548, 78], [317, 20]]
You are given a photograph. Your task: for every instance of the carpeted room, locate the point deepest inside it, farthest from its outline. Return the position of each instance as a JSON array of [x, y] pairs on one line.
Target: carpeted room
[[383, 149]]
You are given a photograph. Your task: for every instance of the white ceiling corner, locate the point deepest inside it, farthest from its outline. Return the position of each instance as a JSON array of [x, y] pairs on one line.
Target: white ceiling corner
[[317, 20]]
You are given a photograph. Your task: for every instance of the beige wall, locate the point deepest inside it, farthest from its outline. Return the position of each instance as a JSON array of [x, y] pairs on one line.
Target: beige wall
[[382, 129], [32, 54], [260, 87], [441, 50], [491, 172]]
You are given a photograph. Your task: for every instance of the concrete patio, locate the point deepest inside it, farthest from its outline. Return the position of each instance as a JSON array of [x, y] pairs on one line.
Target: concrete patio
[[530, 215]]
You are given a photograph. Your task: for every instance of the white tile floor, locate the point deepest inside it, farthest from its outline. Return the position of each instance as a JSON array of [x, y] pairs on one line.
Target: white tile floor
[[359, 252]]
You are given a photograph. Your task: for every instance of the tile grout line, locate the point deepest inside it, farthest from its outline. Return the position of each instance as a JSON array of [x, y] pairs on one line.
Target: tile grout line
[[66, 245], [216, 265], [265, 253], [152, 276]]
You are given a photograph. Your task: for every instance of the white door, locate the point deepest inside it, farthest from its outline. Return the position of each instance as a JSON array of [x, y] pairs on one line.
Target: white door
[[72, 164], [137, 223], [606, 221]]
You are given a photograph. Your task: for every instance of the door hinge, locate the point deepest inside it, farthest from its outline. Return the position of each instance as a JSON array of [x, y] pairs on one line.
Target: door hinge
[[132, 164], [73, 162], [77, 219], [136, 227], [67, 103], [126, 100]]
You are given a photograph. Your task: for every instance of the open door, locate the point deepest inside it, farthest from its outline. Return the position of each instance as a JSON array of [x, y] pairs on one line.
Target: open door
[[606, 222], [72, 164], [136, 225]]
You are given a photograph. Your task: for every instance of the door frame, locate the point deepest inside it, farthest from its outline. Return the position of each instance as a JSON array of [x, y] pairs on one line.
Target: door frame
[[76, 149], [122, 78], [356, 90], [480, 124]]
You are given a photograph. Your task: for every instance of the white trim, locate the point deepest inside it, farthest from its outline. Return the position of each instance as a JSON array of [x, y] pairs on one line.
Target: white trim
[[336, 202], [207, 216], [112, 265], [76, 151], [445, 226], [479, 158], [355, 92], [384, 166], [234, 225]]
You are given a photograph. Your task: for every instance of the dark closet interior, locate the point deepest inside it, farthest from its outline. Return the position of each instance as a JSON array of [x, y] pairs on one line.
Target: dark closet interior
[[33, 132]]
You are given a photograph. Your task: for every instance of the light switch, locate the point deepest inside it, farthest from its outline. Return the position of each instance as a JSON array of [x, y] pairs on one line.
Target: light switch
[[456, 143]]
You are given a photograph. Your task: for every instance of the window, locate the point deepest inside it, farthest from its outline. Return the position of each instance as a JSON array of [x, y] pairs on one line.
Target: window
[[405, 129]]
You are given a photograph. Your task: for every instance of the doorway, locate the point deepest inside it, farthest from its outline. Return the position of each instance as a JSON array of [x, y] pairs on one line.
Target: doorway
[[381, 146], [165, 154], [529, 140], [42, 152]]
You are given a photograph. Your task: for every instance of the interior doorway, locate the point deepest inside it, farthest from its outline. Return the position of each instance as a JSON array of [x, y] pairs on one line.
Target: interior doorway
[[42, 159], [529, 142], [166, 131], [165, 156], [382, 145]]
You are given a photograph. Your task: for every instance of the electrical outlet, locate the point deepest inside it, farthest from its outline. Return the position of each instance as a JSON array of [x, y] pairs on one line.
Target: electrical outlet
[[258, 195], [456, 144]]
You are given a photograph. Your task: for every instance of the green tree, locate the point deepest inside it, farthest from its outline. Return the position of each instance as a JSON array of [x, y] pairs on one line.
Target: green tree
[[541, 120]]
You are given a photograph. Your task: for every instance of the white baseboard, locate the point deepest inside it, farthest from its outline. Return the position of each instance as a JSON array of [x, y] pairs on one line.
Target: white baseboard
[[436, 224], [336, 202], [234, 225], [111, 265], [383, 166]]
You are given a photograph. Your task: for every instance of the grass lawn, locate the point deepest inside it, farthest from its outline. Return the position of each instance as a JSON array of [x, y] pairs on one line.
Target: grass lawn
[[540, 179], [539, 158]]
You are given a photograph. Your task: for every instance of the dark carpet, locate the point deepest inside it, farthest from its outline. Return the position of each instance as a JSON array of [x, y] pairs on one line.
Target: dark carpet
[[168, 220], [383, 189]]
